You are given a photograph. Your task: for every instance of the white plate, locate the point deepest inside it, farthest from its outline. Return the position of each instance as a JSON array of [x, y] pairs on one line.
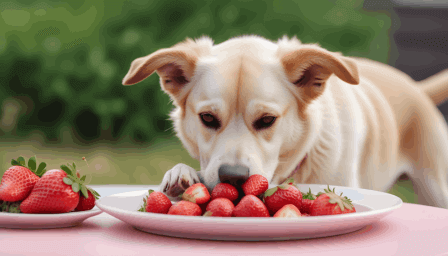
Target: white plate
[[370, 205], [42, 221]]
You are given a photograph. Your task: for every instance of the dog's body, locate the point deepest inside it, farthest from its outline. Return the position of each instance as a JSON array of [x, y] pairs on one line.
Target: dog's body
[[289, 109]]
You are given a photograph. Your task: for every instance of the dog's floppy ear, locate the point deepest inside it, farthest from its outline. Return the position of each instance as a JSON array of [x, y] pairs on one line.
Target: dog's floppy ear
[[309, 67], [175, 66]]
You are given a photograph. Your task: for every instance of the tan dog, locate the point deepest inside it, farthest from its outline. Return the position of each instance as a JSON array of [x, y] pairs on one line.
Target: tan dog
[[251, 106]]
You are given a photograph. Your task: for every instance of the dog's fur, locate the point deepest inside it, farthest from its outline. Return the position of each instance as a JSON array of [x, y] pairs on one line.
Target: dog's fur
[[354, 122]]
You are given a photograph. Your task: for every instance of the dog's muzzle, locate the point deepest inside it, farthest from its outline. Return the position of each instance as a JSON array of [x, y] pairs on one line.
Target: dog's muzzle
[[235, 175]]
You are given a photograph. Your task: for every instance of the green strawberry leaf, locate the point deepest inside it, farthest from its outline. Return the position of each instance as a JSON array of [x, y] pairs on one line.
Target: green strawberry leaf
[[14, 162], [5, 207], [21, 161], [73, 177], [41, 169], [150, 191], [143, 207], [208, 214], [284, 186], [309, 195], [95, 194], [84, 191], [14, 207], [290, 180], [270, 191], [83, 178], [32, 163], [66, 169], [67, 181], [75, 187]]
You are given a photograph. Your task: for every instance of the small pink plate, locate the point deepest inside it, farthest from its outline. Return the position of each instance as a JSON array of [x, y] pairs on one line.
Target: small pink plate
[[43, 221]]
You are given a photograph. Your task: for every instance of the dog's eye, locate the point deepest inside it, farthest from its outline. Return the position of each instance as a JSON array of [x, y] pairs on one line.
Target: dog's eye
[[264, 122], [210, 121]]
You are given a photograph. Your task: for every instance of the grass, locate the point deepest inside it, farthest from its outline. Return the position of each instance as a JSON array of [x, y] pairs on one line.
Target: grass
[[107, 164], [126, 164]]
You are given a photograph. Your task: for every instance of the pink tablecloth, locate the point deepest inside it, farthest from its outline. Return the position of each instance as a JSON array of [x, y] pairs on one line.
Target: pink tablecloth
[[410, 230]]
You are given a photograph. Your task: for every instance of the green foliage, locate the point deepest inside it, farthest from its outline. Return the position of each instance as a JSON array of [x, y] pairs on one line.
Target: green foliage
[[62, 63], [32, 164]]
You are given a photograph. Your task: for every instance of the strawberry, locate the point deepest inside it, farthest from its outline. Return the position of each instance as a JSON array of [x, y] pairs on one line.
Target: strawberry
[[255, 185], [224, 190], [220, 207], [86, 203], [156, 202], [329, 203], [185, 208], [196, 193], [288, 211], [277, 197], [18, 181], [250, 206], [56, 192], [307, 202]]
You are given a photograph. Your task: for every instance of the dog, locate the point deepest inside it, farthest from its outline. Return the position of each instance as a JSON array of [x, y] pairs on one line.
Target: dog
[[286, 109]]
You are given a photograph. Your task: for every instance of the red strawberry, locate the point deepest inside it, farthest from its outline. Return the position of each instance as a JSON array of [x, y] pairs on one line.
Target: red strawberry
[[277, 197], [220, 207], [224, 190], [51, 195], [255, 185], [85, 203], [19, 180], [307, 202], [250, 206], [288, 211], [157, 202], [329, 203], [56, 192], [185, 208], [196, 193]]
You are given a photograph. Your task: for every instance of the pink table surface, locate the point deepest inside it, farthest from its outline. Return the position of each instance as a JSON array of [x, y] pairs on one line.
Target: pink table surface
[[410, 230]]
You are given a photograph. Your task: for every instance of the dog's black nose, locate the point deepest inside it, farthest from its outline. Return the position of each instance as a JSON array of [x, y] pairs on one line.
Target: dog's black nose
[[235, 175]]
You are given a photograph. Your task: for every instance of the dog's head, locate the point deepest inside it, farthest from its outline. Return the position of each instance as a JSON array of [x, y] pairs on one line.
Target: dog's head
[[248, 105]]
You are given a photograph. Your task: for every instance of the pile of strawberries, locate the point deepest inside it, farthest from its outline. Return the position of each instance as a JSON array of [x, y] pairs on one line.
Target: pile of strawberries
[[285, 201], [31, 189]]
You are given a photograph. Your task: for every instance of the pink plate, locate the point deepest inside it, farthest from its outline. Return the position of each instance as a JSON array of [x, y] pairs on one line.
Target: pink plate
[[42, 221], [370, 205]]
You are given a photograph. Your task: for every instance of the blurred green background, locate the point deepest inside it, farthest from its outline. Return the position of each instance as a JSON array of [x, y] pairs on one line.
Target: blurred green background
[[62, 63]]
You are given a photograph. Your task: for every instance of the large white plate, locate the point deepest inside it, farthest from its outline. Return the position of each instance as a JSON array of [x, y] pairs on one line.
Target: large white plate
[[42, 221], [370, 205]]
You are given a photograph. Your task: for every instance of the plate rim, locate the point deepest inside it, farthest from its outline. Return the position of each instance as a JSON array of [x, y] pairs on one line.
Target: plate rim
[[42, 215], [308, 219]]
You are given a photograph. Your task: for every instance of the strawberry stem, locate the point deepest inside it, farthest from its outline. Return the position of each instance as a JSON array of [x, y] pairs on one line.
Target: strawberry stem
[[308, 195], [343, 202], [78, 184]]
